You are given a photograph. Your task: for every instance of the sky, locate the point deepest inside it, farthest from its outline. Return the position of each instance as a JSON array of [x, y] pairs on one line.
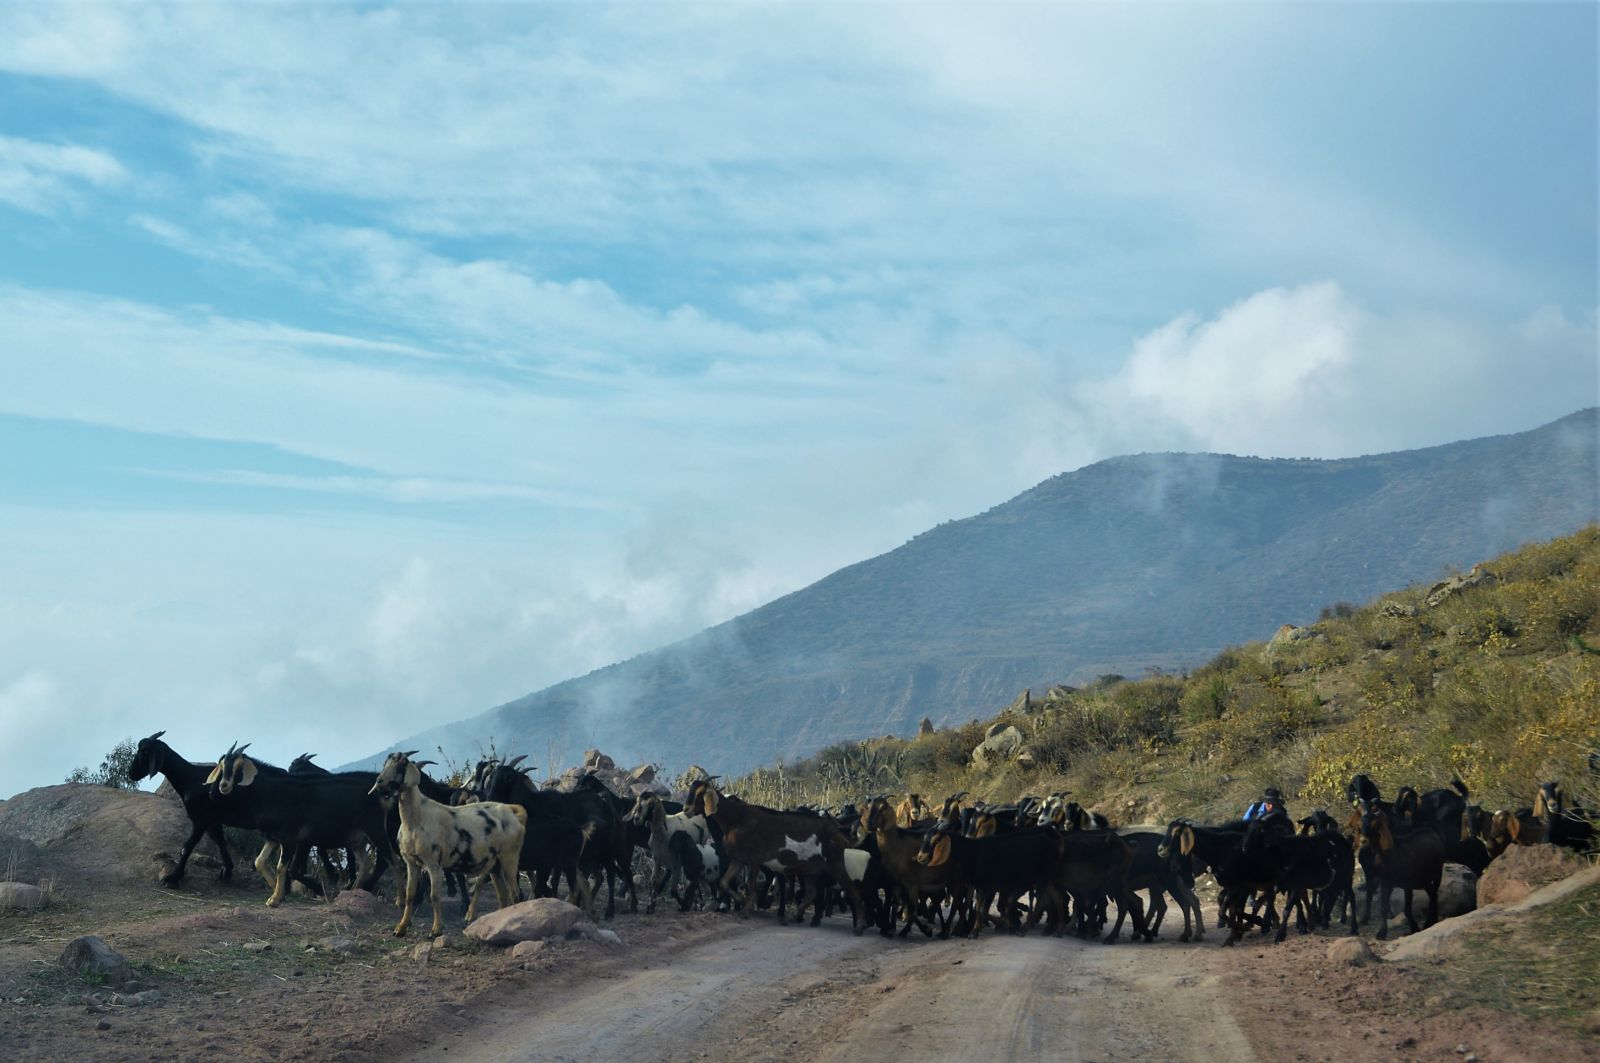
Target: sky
[[363, 367]]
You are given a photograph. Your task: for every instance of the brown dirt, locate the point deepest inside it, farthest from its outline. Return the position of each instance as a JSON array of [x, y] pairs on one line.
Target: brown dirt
[[1313, 1011]]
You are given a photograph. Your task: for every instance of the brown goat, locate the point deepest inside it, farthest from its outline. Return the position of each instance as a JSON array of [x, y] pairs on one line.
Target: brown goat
[[786, 843]]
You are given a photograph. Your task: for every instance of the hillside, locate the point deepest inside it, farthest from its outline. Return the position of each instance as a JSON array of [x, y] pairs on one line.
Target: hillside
[[1155, 560], [1493, 676]]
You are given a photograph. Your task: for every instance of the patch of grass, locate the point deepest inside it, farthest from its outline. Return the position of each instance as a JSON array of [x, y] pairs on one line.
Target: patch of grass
[[1544, 965]]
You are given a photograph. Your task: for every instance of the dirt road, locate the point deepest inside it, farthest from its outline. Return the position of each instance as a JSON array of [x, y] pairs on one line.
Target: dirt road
[[768, 993]]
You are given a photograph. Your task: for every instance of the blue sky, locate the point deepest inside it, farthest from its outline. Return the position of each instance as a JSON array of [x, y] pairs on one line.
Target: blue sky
[[362, 367]]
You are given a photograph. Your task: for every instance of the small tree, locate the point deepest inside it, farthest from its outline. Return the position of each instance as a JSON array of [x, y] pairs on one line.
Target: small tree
[[113, 770]]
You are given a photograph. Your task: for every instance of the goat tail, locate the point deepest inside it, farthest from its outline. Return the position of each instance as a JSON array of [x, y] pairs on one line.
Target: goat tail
[[589, 830], [1459, 787]]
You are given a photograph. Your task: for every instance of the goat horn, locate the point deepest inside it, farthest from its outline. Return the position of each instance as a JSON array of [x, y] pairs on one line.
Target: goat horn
[[242, 748], [421, 763], [157, 735], [518, 759], [409, 754]]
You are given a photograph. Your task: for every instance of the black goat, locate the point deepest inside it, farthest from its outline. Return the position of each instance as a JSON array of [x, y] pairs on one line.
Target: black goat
[[1093, 866], [1240, 874], [1401, 859], [624, 838], [1302, 865], [302, 765], [301, 811], [590, 813], [188, 780], [1003, 866], [1163, 876], [1567, 827]]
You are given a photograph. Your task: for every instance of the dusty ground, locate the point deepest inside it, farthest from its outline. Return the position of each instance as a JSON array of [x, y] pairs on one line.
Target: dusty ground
[[697, 986]]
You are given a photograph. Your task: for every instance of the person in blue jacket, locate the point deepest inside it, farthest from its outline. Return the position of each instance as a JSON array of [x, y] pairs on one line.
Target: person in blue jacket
[[1271, 801]]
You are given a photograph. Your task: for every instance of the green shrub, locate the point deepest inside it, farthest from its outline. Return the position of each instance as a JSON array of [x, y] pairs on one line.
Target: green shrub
[[113, 770], [1205, 699]]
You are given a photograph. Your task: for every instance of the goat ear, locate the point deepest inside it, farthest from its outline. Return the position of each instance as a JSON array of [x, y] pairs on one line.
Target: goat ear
[[1385, 839], [247, 771], [941, 851], [216, 773], [1538, 803], [709, 799], [1186, 840], [1514, 827]]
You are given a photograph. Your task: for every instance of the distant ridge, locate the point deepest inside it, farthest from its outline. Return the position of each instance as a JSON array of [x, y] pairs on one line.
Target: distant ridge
[[1150, 560]]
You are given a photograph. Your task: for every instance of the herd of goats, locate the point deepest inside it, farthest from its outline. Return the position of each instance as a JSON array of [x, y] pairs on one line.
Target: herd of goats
[[892, 863]]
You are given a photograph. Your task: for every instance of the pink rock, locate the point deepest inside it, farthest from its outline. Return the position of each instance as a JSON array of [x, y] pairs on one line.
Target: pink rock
[[542, 917]]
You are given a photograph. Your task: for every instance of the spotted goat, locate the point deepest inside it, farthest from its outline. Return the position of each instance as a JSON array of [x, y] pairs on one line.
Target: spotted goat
[[482, 839]]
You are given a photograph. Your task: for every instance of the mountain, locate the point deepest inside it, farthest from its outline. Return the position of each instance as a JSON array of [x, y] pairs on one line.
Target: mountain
[[1138, 562]]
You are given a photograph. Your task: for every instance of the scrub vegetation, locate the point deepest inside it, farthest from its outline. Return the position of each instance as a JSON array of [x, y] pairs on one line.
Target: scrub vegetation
[[1493, 675]]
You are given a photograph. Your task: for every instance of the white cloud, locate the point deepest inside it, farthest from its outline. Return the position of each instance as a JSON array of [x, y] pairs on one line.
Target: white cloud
[[41, 177], [1309, 372]]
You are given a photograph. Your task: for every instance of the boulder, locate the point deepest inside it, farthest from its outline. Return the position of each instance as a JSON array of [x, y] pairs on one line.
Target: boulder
[[1000, 746], [19, 857], [525, 950], [1458, 891], [121, 830], [644, 774], [1398, 611], [1285, 635], [91, 958], [1024, 705], [20, 895], [360, 903], [1025, 758], [593, 759], [1350, 952], [1456, 584], [540, 918], [1521, 869]]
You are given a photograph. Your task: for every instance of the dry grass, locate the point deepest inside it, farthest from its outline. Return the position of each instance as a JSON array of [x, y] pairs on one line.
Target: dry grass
[[1545, 965], [1497, 683]]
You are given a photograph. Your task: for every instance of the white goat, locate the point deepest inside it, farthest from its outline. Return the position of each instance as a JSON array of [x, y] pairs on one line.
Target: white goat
[[483, 839], [648, 810]]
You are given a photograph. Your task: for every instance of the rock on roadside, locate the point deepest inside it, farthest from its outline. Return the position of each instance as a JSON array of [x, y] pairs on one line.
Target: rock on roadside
[[91, 957], [20, 895], [542, 917], [1522, 869], [1351, 952]]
